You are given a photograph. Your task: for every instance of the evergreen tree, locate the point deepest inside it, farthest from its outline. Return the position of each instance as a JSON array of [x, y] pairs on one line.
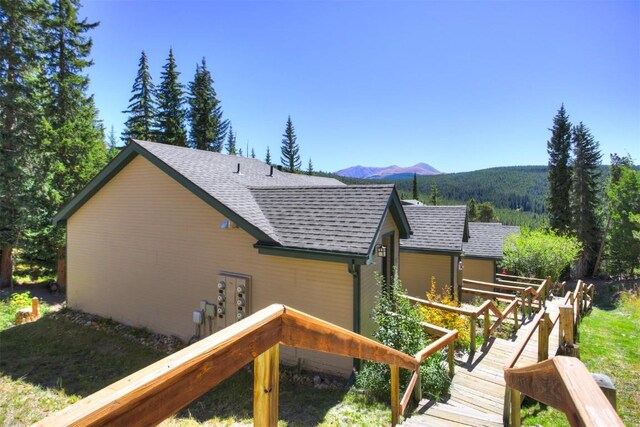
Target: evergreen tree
[[415, 186], [231, 141], [623, 243], [71, 135], [253, 153], [142, 105], [21, 69], [208, 128], [486, 212], [112, 144], [585, 201], [240, 152], [290, 158], [310, 167], [472, 211], [267, 158], [171, 114], [434, 194], [559, 147]]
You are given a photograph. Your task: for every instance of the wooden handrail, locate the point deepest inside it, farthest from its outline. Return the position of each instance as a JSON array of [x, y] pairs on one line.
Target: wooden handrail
[[154, 393], [519, 284], [499, 286], [492, 295], [519, 277], [512, 306], [566, 384], [516, 355], [436, 345], [444, 307]]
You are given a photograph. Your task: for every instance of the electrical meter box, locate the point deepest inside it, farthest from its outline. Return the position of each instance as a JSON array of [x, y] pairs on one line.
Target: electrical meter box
[[233, 299]]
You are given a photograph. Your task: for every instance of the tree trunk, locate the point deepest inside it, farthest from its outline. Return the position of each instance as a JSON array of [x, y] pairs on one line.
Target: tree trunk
[[6, 267]]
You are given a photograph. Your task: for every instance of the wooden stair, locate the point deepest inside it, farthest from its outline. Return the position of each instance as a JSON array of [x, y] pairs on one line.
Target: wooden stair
[[478, 387]]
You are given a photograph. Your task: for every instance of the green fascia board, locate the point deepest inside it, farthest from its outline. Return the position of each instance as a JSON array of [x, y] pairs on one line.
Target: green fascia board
[[429, 251], [124, 158], [343, 257], [394, 205], [482, 258]]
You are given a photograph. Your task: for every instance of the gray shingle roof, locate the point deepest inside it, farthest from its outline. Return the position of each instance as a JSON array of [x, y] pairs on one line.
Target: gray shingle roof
[[337, 219], [217, 175], [485, 240], [435, 228]]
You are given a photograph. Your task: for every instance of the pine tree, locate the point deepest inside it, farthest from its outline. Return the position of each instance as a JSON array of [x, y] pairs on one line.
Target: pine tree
[[208, 128], [231, 142], [240, 152], [415, 186], [290, 158], [267, 158], [559, 147], [486, 212], [434, 194], [585, 200], [310, 167], [171, 114], [21, 69], [112, 144], [253, 153], [623, 243], [472, 211], [142, 105], [71, 135]]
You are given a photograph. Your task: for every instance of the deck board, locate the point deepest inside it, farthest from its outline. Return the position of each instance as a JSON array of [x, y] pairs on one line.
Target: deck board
[[478, 386]]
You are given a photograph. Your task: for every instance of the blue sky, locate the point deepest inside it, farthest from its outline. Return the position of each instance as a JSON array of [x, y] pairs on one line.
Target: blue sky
[[459, 85]]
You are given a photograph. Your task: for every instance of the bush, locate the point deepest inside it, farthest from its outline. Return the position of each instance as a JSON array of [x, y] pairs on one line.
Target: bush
[[539, 253], [402, 332], [446, 319]]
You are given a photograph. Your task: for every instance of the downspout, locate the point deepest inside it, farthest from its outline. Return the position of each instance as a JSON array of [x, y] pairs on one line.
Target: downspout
[[354, 269]]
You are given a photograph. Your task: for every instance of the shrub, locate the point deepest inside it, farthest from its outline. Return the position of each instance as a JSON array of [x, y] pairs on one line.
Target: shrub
[[401, 331], [540, 253], [446, 319]]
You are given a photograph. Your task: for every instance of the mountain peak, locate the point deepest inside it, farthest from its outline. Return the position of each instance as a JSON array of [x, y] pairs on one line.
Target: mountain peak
[[393, 171]]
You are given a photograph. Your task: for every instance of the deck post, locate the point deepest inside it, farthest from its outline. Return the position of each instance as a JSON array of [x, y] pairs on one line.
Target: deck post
[[567, 343], [487, 319], [524, 306], [450, 357], [417, 390], [515, 318], [395, 394], [543, 338], [472, 332], [266, 378], [515, 408]]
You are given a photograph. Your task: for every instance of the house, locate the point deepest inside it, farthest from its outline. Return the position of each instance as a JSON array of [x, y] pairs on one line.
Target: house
[[483, 250], [184, 241], [434, 249]]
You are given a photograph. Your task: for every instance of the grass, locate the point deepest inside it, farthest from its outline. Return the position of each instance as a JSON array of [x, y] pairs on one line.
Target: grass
[[53, 362], [608, 345]]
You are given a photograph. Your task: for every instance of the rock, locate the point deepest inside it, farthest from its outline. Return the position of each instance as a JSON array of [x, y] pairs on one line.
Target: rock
[[317, 380]]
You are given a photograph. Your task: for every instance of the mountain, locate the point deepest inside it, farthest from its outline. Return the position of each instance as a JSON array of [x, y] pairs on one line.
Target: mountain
[[388, 172]]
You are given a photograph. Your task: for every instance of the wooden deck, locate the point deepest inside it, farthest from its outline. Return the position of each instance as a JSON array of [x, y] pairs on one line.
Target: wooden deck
[[478, 387]]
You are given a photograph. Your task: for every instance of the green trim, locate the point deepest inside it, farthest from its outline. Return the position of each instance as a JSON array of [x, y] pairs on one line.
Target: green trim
[[124, 158], [311, 254], [454, 285], [104, 176], [355, 270], [397, 211], [481, 258], [428, 251]]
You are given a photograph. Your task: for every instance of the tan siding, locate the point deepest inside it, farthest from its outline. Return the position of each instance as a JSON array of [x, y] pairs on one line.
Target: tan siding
[[145, 251], [417, 270], [478, 269]]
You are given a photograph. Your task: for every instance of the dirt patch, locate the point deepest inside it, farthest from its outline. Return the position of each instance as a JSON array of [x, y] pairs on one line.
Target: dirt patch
[[607, 291]]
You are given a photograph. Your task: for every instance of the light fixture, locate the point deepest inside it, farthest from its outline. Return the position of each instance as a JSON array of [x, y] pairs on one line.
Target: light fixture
[[225, 224], [460, 264], [382, 251]]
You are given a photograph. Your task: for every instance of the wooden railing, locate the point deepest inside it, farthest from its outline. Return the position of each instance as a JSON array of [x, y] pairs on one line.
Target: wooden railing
[[575, 305], [483, 311], [533, 292], [156, 392]]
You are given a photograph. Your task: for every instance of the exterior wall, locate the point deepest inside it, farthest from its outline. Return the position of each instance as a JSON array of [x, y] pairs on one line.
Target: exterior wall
[[417, 270], [479, 269], [144, 251], [369, 287]]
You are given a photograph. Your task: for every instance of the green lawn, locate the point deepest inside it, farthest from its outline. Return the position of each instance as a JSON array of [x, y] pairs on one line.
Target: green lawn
[[53, 362], [608, 345]]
